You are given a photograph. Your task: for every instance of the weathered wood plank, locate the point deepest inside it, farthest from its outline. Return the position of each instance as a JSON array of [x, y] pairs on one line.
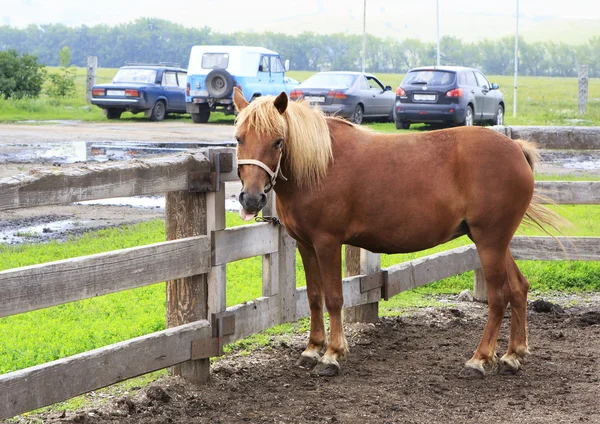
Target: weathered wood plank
[[252, 317], [548, 249], [570, 192], [74, 183], [242, 242], [217, 276], [368, 263], [428, 269], [59, 380], [54, 283]]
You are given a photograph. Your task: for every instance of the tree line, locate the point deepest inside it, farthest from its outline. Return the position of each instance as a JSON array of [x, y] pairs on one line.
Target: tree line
[[155, 40]]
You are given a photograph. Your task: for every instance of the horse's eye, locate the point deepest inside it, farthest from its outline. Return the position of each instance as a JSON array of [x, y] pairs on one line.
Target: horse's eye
[[277, 144], [238, 140]]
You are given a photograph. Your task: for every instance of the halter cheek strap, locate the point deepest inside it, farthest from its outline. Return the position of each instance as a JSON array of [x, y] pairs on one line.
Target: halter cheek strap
[[272, 175]]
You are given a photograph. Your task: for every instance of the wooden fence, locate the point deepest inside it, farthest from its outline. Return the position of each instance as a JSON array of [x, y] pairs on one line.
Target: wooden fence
[[192, 262]]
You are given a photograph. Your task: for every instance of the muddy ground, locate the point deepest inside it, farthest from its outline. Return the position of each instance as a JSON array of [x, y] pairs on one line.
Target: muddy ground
[[401, 370]]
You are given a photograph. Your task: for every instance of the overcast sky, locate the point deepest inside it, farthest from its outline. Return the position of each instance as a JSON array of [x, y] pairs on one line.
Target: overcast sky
[[473, 19]]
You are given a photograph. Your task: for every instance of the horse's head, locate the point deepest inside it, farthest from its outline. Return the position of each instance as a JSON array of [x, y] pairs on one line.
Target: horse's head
[[260, 132]]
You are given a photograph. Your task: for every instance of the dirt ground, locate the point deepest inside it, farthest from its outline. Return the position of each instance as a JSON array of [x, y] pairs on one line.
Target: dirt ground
[[401, 370]]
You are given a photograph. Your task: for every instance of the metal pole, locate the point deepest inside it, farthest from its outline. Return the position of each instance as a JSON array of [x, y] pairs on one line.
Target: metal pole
[[516, 62], [437, 6], [364, 50]]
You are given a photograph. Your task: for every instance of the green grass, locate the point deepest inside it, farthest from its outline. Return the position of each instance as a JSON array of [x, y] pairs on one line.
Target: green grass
[[541, 101]]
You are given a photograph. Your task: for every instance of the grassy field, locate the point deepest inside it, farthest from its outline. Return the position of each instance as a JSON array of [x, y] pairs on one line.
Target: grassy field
[[541, 101]]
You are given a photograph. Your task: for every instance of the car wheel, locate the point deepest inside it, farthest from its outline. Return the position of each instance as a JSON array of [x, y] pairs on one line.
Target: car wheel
[[201, 117], [113, 113], [219, 83], [357, 116], [402, 125], [159, 111], [468, 122], [499, 118]]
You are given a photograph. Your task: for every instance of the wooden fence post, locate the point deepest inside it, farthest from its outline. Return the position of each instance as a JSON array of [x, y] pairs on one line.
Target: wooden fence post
[[92, 65], [187, 298], [360, 261], [480, 292], [279, 270], [582, 77]]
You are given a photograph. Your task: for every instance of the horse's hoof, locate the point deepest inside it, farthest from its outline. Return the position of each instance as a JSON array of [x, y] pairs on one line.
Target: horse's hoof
[[327, 370], [307, 362], [509, 366], [472, 373]]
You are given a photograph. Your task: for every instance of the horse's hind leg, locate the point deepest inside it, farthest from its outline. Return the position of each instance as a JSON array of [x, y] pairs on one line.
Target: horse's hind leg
[[517, 345], [314, 288], [493, 262]]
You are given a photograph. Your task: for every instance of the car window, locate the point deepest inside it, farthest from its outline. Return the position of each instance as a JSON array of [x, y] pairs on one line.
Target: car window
[[264, 64], [374, 84], [471, 81], [333, 80], [481, 80], [362, 83], [462, 79], [276, 65], [215, 60], [429, 77], [135, 75], [181, 79], [169, 79]]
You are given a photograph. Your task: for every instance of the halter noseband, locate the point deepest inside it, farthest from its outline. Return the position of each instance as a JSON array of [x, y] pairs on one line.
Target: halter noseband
[[272, 175]]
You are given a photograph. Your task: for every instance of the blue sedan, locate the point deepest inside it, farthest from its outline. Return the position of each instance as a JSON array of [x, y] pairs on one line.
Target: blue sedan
[[153, 89]]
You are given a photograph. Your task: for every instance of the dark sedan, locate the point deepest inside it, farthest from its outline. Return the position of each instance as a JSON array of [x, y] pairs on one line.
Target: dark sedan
[[351, 95], [153, 89], [447, 94]]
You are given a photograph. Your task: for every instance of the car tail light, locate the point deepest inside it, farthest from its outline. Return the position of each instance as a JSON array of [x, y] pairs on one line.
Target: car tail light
[[132, 93], [295, 94], [457, 92], [336, 94], [98, 92], [187, 89], [400, 92]]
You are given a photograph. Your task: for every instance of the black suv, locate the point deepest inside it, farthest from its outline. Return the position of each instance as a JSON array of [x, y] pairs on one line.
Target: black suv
[[447, 94], [153, 89]]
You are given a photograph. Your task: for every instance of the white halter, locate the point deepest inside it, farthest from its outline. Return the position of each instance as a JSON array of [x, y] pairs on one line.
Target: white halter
[[272, 175]]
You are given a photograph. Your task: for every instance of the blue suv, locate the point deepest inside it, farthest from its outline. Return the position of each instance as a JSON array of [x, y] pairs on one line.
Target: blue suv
[[153, 89], [213, 71]]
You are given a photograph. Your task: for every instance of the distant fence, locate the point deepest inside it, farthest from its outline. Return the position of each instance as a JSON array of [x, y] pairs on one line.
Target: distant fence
[[193, 264]]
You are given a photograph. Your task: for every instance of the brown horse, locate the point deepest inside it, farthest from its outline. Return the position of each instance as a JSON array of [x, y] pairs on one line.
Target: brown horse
[[389, 193]]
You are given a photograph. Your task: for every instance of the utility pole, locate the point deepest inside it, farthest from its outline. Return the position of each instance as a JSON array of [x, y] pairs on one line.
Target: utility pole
[[516, 62], [437, 7], [364, 50]]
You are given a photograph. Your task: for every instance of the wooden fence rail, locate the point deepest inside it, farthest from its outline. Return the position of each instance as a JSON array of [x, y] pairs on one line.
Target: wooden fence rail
[[196, 264]]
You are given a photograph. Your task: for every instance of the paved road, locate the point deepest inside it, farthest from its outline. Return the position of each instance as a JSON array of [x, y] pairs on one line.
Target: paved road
[[114, 131]]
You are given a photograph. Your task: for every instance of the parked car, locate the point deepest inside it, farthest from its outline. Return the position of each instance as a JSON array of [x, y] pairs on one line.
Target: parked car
[[351, 95], [447, 94], [213, 71], [153, 89]]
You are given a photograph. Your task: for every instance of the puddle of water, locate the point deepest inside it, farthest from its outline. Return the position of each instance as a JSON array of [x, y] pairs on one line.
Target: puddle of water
[[92, 151], [231, 205], [35, 233]]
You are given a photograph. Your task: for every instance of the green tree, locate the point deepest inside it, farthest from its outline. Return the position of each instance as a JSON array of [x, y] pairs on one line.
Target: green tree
[[20, 76], [62, 84]]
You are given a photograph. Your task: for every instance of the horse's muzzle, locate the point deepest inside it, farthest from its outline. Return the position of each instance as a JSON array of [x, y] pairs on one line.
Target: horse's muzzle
[[253, 202]]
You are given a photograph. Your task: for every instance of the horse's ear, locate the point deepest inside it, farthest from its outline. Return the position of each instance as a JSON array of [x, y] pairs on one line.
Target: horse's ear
[[239, 100], [281, 102]]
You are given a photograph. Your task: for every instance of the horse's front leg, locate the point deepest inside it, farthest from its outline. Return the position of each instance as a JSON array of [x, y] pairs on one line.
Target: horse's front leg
[[314, 289], [330, 262]]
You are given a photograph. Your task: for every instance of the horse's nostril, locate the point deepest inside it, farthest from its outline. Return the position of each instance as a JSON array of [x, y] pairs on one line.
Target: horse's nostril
[[263, 198]]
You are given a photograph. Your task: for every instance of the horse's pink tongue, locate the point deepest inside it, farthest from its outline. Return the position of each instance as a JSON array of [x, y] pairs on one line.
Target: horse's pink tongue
[[245, 215]]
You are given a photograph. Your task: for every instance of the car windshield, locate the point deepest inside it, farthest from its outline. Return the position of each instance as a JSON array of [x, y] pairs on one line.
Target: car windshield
[[135, 75], [429, 77], [330, 81]]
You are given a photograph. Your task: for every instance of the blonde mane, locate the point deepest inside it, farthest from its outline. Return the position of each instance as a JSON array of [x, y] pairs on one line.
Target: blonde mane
[[307, 143]]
